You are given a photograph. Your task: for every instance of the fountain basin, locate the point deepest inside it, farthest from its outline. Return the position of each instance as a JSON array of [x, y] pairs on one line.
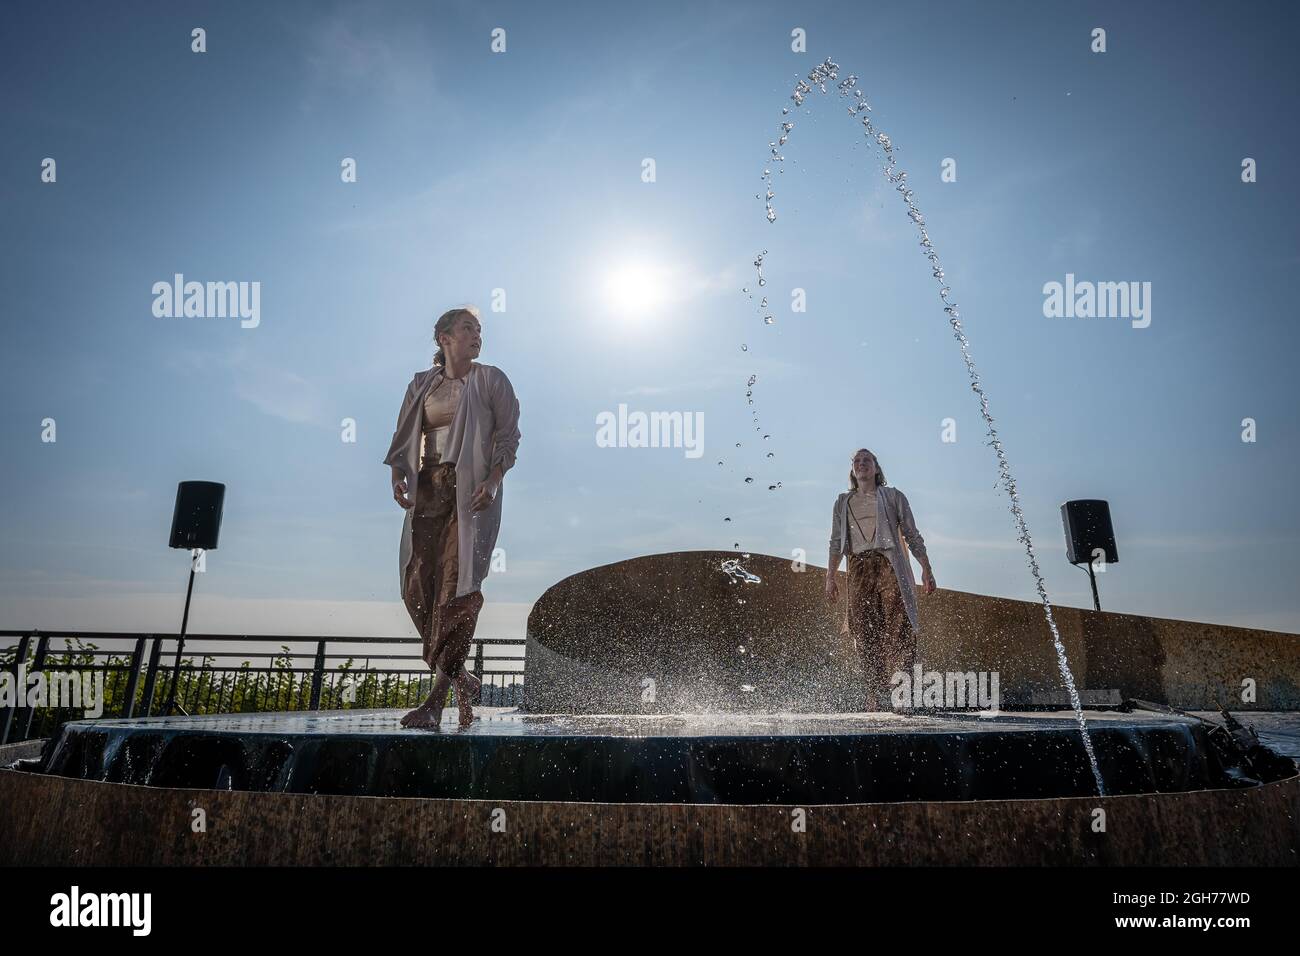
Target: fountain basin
[[55, 820], [700, 759]]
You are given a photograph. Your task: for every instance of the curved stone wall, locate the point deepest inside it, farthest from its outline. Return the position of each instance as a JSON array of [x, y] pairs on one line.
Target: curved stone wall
[[673, 632]]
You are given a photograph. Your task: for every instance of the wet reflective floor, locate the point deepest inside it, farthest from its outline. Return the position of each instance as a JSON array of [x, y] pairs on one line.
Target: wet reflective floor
[[512, 722]]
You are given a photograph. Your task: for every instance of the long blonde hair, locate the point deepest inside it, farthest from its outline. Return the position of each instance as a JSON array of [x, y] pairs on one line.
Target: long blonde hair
[[880, 472]]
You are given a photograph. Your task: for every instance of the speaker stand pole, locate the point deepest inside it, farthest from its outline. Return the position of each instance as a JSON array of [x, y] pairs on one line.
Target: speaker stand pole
[[180, 645], [1092, 576]]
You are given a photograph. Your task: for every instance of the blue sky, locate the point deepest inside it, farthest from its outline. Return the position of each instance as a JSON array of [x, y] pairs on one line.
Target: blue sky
[[522, 171]]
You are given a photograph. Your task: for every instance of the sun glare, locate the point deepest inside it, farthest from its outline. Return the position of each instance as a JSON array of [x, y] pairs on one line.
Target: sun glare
[[636, 289]]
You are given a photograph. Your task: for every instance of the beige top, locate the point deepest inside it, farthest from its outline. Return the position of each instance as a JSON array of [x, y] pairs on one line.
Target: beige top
[[862, 522], [439, 410]]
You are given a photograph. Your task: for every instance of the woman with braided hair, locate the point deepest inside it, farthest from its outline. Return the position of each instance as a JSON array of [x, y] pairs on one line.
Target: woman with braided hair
[[456, 437]]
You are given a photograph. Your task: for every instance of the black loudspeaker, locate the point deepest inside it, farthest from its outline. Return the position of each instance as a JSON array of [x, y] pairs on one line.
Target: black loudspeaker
[[1087, 528], [196, 522]]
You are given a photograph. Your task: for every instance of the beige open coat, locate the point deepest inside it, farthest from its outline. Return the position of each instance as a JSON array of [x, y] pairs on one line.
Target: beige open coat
[[484, 434], [895, 530]]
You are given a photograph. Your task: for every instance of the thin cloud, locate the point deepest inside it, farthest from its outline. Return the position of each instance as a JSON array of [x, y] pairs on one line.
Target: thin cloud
[[274, 389]]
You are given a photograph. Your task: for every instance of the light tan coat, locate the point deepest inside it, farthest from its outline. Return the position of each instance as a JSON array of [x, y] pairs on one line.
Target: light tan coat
[[484, 434], [895, 530]]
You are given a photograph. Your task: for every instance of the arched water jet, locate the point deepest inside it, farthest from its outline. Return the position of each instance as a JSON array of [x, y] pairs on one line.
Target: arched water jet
[[817, 79]]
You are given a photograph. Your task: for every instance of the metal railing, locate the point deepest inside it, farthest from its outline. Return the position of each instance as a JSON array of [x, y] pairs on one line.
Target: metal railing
[[136, 675]]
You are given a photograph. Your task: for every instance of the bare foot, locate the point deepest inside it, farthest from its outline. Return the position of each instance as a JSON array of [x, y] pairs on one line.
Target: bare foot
[[429, 713], [466, 688], [424, 718], [411, 714]]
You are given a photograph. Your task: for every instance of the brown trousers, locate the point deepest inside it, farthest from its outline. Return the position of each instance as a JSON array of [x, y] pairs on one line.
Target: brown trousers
[[878, 623], [445, 622]]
